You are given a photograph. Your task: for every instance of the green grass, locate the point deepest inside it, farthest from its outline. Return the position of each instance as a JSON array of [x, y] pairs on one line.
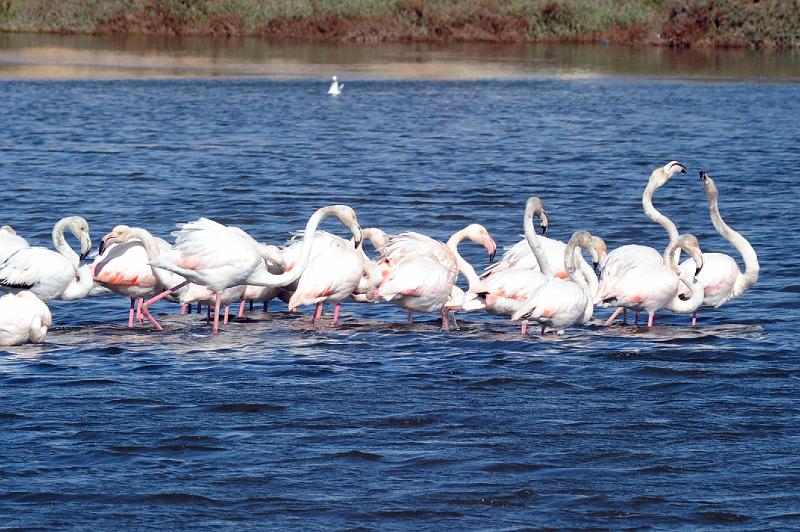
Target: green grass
[[674, 22]]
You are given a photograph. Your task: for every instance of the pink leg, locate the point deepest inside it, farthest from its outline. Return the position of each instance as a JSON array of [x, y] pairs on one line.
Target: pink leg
[[410, 316], [241, 308], [150, 317], [694, 319], [130, 315], [445, 321], [139, 315], [227, 308], [336, 313], [217, 301], [317, 314], [183, 309], [617, 312], [164, 294], [524, 328], [650, 318]]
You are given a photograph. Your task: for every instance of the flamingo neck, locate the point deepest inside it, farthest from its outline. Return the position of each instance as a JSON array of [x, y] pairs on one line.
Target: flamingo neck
[[653, 213], [462, 265], [79, 287], [577, 275], [147, 239], [751, 266], [61, 245], [535, 245]]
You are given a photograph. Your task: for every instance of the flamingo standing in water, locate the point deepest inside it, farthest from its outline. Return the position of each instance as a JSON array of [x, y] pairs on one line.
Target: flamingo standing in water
[[52, 274], [561, 303], [423, 271], [332, 275], [23, 318], [10, 242], [503, 290], [652, 287], [721, 279], [275, 263], [629, 255], [220, 257]]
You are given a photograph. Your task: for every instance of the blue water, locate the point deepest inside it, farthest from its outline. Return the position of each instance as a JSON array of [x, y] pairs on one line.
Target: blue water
[[377, 423]]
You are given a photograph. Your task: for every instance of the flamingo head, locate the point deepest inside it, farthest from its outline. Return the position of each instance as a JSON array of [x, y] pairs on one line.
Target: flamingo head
[[377, 236], [598, 251], [80, 228], [709, 185], [119, 234], [535, 208], [8, 229], [348, 217], [478, 234], [661, 175], [691, 246]]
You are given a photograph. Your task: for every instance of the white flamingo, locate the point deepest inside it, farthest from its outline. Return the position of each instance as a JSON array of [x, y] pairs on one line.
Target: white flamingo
[[561, 303], [23, 318], [336, 87], [220, 257], [374, 271], [721, 279], [652, 287], [275, 263], [629, 255], [49, 274], [423, 271], [10, 242]]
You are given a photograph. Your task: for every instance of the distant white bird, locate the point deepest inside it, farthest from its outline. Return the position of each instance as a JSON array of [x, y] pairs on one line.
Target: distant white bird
[[23, 318], [336, 87]]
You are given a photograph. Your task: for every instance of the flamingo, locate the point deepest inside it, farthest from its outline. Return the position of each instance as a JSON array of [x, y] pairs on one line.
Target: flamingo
[[336, 87], [652, 287], [504, 290], [23, 318], [273, 260], [721, 279], [423, 271], [10, 242], [373, 272], [49, 274], [629, 255], [332, 275], [561, 303], [220, 257]]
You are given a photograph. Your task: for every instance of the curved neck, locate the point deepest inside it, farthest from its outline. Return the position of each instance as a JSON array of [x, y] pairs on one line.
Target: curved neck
[[696, 295], [751, 267], [578, 276], [261, 276], [80, 286], [536, 246], [147, 239], [463, 266], [654, 214], [60, 243]]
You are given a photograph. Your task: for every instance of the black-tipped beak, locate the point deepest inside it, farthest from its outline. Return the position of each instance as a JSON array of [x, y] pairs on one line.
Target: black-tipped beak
[[102, 247], [703, 175], [544, 229], [697, 271], [684, 297], [683, 169], [596, 266], [86, 254], [491, 256], [358, 242]]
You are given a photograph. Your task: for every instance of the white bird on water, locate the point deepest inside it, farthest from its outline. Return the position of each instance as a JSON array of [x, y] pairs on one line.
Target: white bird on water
[[336, 87]]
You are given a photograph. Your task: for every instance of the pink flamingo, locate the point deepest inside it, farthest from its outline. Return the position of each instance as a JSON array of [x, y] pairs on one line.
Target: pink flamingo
[[422, 271], [220, 257]]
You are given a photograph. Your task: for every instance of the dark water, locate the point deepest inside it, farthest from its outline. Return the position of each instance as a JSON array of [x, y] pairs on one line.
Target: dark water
[[376, 423]]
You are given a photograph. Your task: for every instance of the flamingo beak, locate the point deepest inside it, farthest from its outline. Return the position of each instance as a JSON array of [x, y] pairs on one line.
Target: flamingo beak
[[86, 245], [703, 175], [596, 266], [683, 169], [358, 237], [105, 242], [491, 247], [544, 222]]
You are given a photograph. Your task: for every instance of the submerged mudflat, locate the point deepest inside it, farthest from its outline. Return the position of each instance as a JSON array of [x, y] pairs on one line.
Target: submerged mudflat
[[378, 423]]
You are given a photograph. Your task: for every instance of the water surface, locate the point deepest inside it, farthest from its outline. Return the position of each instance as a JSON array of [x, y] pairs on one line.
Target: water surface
[[377, 423]]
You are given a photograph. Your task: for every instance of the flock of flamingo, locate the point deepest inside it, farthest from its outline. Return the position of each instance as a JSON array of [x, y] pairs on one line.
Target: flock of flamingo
[[538, 279]]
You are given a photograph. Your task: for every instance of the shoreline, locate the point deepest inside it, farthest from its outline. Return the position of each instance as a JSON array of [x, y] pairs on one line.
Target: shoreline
[[704, 24]]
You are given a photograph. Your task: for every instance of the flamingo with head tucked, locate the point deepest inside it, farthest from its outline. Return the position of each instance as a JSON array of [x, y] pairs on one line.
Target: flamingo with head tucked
[[23, 318], [422, 271], [220, 257], [52, 274], [721, 279]]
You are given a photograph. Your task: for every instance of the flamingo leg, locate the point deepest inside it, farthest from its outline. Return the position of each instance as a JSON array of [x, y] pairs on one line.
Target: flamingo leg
[[524, 328], [317, 314], [410, 316], [241, 308], [541, 333], [635, 319], [199, 308], [616, 313], [445, 321], [208, 314], [251, 305], [650, 318], [146, 313], [336, 313], [624, 316], [217, 301], [164, 294], [183, 309], [455, 322], [139, 315], [130, 315], [694, 319], [225, 321], [189, 308], [265, 307]]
